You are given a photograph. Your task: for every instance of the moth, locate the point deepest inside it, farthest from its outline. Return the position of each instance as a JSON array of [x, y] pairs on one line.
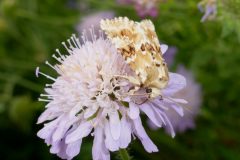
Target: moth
[[138, 43]]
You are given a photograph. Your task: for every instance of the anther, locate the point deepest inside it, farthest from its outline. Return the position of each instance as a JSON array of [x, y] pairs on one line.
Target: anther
[[47, 76], [47, 63]]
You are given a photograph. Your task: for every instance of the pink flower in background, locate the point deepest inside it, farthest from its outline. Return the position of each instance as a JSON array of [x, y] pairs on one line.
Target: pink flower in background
[[89, 98], [144, 8], [147, 8], [209, 8]]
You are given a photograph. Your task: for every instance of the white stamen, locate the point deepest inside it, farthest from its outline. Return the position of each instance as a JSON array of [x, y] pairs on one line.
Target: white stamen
[[47, 63], [70, 44], [77, 41], [84, 37], [93, 36], [74, 42], [45, 95], [37, 72], [59, 53], [44, 100], [47, 76], [65, 46], [57, 58]]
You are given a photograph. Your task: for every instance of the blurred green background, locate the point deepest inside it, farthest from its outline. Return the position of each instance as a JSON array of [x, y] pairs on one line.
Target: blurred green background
[[30, 30]]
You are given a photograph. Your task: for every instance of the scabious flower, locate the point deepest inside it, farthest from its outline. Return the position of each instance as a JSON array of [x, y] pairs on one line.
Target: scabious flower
[[89, 97], [209, 8], [144, 8]]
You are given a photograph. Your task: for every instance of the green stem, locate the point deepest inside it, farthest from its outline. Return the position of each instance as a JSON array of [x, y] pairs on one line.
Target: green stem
[[124, 154]]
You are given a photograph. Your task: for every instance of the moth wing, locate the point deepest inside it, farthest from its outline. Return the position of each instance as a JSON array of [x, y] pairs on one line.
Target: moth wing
[[157, 72], [150, 33], [113, 27], [139, 46], [122, 32]]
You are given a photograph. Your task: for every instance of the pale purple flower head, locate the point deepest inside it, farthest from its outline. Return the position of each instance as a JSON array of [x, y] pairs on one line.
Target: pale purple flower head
[[89, 98], [209, 8]]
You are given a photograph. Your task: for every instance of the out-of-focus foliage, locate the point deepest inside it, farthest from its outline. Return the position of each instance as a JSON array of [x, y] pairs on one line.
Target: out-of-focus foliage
[[21, 112], [229, 15], [30, 30]]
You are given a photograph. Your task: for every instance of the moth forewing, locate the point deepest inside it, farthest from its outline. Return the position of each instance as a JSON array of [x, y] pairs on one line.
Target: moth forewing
[[139, 45]]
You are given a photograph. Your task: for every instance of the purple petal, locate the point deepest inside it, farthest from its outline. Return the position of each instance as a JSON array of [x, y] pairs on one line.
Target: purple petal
[[60, 130], [56, 147], [99, 150], [83, 130], [164, 48], [151, 125], [142, 135], [133, 111], [89, 112], [175, 84], [125, 137], [62, 154], [115, 125], [158, 113], [74, 110], [169, 125], [179, 100], [178, 109], [48, 129], [63, 127], [110, 143], [147, 109], [49, 114], [73, 149], [210, 10]]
